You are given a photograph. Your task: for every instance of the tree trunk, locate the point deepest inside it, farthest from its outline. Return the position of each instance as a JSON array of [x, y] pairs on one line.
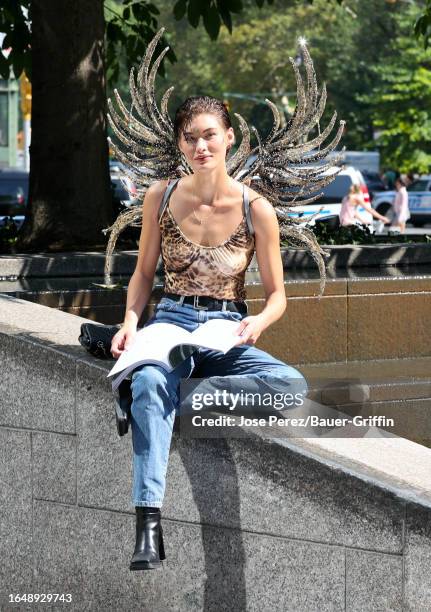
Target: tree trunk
[[69, 192]]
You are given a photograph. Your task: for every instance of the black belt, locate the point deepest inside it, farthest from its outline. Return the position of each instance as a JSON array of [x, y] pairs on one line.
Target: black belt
[[206, 302]]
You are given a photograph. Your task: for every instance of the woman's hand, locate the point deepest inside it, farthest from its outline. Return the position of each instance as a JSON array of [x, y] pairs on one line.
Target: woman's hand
[[122, 340], [250, 327]]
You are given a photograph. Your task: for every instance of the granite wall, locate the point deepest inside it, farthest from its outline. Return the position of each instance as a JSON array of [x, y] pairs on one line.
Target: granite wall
[[249, 523]]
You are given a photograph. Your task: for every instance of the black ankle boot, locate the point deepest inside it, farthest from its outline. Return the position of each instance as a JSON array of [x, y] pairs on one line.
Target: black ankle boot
[[149, 549]]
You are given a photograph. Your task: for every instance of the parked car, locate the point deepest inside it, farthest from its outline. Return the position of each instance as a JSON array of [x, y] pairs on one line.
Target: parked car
[[328, 205], [124, 190], [374, 182], [14, 192], [13, 195], [121, 196], [419, 201]]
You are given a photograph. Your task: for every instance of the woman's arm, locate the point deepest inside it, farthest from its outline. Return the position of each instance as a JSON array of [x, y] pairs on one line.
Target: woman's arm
[[360, 218], [267, 245], [374, 213], [141, 282]]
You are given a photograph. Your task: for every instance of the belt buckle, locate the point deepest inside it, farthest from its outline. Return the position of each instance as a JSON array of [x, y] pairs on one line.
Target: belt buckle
[[196, 303]]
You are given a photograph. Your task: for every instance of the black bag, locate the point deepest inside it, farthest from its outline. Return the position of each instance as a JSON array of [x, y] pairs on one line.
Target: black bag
[[97, 339]]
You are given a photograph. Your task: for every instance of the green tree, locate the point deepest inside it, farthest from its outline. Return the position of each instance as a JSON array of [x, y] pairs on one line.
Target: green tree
[[89, 39], [239, 63], [401, 101], [63, 47], [348, 44]]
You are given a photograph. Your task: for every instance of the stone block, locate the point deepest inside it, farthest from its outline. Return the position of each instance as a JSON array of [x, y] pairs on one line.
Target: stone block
[[207, 568], [388, 326], [54, 467], [267, 488], [417, 572], [293, 337], [104, 460], [16, 514], [37, 386], [374, 581]]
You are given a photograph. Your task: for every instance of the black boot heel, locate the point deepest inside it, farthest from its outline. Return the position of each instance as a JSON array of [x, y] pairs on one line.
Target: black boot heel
[[149, 549], [161, 545]]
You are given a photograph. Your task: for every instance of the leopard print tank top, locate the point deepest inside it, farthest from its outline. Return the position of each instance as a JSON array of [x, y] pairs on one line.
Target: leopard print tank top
[[193, 269]]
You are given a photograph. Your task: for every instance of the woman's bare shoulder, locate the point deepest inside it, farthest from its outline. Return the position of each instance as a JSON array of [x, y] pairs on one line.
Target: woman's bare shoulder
[[153, 198], [252, 193], [158, 187], [261, 207], [263, 214]]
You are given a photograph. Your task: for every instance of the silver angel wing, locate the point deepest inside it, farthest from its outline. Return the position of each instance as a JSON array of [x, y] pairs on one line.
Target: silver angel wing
[[146, 144], [290, 168]]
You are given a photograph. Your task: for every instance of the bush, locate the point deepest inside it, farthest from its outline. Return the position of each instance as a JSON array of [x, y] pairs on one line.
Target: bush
[[8, 236], [358, 234]]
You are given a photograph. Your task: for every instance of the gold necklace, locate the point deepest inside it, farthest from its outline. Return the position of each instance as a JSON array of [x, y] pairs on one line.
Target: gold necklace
[[201, 221]]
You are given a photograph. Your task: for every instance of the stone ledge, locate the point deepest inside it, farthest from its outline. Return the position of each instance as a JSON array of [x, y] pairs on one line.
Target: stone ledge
[[376, 461], [293, 529], [92, 263], [392, 464]]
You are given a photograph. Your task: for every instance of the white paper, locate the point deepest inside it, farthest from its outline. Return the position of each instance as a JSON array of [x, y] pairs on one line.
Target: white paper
[[154, 342]]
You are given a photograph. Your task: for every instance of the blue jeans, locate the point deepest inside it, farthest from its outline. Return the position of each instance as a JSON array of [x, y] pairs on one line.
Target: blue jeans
[[155, 393]]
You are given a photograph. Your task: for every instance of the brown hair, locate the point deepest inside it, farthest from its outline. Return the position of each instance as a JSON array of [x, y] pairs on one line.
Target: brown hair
[[194, 105]]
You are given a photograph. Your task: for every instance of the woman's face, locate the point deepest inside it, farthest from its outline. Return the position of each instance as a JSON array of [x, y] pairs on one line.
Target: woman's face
[[204, 142]]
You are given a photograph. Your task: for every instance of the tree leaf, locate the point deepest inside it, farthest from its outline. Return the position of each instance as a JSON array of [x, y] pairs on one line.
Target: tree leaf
[[225, 14], [4, 67], [153, 9], [17, 63], [235, 6], [194, 11], [180, 9], [139, 12], [211, 21], [112, 31]]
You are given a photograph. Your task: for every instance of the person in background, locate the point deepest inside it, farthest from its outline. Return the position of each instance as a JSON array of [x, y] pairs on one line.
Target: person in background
[[349, 208], [410, 178], [400, 207], [384, 179], [391, 177]]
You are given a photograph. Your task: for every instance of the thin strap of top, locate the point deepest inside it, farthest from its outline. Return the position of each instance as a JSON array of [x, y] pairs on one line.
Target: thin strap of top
[[166, 195], [245, 201]]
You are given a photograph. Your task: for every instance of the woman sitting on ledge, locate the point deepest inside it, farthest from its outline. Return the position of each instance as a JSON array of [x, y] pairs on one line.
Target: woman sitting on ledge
[[207, 232]]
